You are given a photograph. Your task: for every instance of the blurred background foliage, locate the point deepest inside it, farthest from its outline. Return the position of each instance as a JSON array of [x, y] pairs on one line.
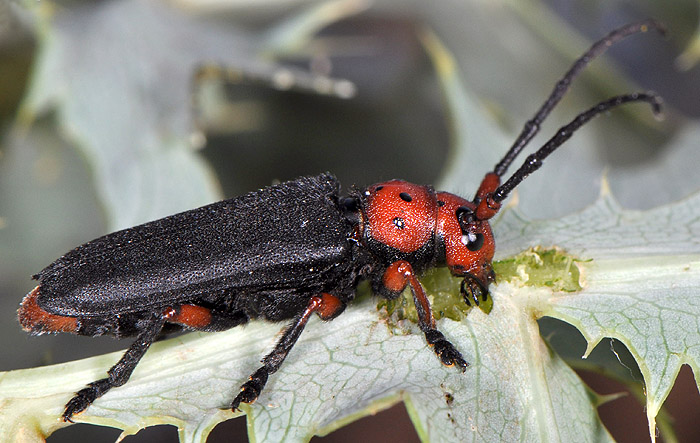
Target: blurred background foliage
[[118, 112]]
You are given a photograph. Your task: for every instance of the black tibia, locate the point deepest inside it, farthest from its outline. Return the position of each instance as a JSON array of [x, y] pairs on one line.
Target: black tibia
[[120, 372], [272, 361]]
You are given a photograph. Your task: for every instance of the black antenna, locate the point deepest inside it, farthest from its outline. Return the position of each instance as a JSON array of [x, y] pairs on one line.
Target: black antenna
[[532, 127], [534, 161]]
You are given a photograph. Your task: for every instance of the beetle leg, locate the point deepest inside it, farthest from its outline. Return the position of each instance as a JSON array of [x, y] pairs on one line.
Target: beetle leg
[[396, 277], [120, 372], [327, 306]]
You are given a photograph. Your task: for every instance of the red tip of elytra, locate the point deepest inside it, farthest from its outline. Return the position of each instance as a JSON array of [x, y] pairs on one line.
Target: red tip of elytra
[[37, 321]]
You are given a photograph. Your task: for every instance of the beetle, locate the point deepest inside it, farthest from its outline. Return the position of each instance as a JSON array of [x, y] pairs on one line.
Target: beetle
[[286, 252]]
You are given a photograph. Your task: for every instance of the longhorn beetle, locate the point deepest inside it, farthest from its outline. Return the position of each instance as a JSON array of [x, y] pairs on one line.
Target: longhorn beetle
[[286, 252]]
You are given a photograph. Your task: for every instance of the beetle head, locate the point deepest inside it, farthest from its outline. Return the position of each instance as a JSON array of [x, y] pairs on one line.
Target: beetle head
[[468, 242]]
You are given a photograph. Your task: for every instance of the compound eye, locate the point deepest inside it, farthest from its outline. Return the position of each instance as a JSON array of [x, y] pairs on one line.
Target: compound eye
[[465, 217], [473, 241]]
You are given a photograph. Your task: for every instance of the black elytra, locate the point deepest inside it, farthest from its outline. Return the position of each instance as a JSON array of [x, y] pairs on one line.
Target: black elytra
[[286, 252]]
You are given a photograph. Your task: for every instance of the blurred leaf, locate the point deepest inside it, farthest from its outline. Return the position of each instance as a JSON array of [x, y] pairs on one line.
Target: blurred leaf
[[104, 67], [690, 57]]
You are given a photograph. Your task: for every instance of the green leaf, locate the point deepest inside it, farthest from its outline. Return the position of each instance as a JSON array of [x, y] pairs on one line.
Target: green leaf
[[642, 286]]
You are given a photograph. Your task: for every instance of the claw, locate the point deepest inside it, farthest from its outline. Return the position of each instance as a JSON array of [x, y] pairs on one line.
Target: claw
[[449, 355], [250, 389], [248, 394], [79, 403], [446, 352]]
